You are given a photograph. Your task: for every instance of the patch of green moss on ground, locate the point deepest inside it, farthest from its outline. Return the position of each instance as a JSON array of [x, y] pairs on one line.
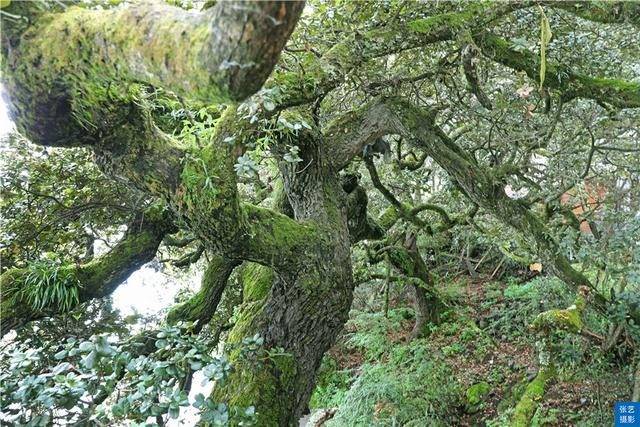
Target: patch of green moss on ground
[[477, 392]]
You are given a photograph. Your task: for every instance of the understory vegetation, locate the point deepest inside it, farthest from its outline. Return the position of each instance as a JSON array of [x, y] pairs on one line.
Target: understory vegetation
[[473, 368]]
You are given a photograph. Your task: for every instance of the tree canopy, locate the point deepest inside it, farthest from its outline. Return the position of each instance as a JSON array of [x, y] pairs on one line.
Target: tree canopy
[[300, 154]]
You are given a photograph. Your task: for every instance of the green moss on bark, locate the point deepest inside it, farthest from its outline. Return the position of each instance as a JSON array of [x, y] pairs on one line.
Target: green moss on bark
[[258, 379], [101, 276], [533, 394], [616, 92], [256, 280], [204, 304]]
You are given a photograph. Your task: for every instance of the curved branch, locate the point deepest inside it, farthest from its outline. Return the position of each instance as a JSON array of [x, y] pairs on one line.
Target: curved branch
[[351, 132], [190, 257], [619, 93], [611, 12], [469, 59], [446, 219], [225, 52], [418, 126], [202, 306], [97, 278], [361, 225], [375, 179]]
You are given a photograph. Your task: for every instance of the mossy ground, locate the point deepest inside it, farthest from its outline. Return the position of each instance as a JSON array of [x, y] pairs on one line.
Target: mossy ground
[[376, 376]]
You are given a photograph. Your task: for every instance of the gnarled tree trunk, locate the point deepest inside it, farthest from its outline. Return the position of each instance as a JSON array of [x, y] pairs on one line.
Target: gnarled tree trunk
[[297, 310]]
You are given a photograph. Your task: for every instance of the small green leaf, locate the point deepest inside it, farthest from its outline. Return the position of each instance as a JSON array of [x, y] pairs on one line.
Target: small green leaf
[[90, 359]]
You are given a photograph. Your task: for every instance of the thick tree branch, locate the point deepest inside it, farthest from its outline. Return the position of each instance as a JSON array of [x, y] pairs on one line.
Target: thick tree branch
[[225, 52], [610, 12], [202, 306], [97, 278], [361, 225], [351, 132], [619, 93]]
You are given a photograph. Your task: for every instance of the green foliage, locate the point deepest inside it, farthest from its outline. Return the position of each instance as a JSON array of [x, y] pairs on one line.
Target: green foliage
[[195, 128], [412, 387], [373, 330], [55, 200], [545, 38], [513, 309], [147, 382], [332, 385], [49, 284], [543, 145]]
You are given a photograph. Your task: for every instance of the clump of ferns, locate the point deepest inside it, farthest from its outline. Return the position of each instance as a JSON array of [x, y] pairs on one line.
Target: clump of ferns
[[49, 285]]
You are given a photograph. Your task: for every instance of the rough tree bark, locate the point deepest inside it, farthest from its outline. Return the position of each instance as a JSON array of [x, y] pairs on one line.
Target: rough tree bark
[[104, 94], [298, 311]]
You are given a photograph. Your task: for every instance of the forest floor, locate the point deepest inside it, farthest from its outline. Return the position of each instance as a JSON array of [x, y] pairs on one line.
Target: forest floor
[[471, 369]]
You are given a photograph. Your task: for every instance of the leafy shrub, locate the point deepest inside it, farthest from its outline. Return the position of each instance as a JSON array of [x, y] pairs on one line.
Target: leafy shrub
[[102, 382], [412, 387]]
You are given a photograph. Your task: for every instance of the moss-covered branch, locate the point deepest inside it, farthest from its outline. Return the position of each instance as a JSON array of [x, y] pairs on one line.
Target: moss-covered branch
[[92, 95], [418, 126], [544, 325], [533, 394], [481, 186], [619, 93], [352, 131], [95, 279], [569, 319], [225, 52], [610, 12], [202, 306], [321, 75]]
